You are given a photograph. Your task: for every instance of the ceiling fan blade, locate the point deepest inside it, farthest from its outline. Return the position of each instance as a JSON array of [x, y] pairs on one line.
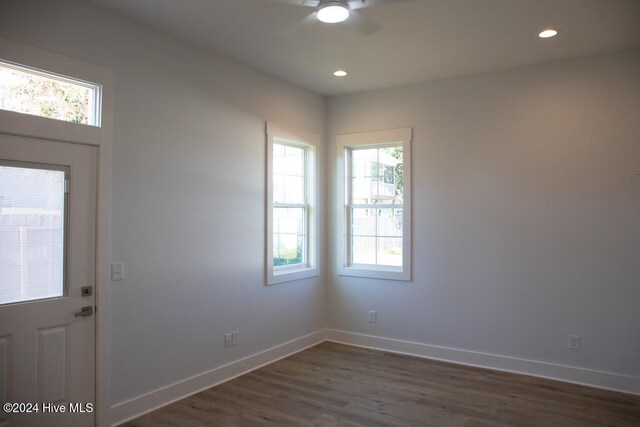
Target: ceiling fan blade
[[297, 26], [359, 4], [362, 24], [307, 3]]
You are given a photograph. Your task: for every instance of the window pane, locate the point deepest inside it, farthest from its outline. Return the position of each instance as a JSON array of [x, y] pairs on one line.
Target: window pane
[[289, 236], [363, 190], [288, 220], [363, 222], [363, 162], [301, 251], [288, 250], [376, 175], [390, 188], [389, 222], [278, 153], [288, 174], [294, 189], [393, 158], [278, 188], [363, 250], [31, 234], [294, 161], [389, 251], [33, 92]]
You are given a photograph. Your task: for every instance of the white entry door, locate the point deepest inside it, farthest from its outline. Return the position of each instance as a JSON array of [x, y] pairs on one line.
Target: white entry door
[[47, 256]]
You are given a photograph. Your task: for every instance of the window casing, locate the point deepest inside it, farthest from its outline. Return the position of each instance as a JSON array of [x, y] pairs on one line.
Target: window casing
[[374, 211], [291, 243]]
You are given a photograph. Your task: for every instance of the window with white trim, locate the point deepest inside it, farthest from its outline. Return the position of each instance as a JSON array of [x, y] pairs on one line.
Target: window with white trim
[[291, 205], [375, 204], [35, 92]]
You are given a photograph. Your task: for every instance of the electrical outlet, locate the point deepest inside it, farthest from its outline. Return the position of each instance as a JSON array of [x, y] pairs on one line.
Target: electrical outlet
[[574, 342], [228, 341], [373, 316], [235, 337]]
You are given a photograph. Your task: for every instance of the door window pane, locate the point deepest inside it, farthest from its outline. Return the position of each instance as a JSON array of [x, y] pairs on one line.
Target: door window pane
[[32, 230]]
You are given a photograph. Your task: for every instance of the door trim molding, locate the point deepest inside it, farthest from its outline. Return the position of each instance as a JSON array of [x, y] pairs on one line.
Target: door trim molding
[[12, 123]]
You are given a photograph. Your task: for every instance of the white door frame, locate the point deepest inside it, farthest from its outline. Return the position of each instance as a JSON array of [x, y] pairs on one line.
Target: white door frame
[[102, 138]]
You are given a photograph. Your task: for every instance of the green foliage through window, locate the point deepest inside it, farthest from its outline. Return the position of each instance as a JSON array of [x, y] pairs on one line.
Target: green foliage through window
[[34, 93]]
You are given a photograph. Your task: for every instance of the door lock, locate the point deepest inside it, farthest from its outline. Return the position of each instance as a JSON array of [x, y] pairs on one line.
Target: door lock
[[87, 291], [85, 311]]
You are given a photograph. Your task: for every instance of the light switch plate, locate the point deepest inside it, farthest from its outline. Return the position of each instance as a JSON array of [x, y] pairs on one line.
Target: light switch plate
[[117, 271]]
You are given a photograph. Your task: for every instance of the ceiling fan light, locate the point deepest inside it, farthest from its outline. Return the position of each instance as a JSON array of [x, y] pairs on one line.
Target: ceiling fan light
[[332, 12], [548, 33]]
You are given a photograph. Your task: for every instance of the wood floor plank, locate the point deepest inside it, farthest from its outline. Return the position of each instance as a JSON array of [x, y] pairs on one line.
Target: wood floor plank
[[338, 385]]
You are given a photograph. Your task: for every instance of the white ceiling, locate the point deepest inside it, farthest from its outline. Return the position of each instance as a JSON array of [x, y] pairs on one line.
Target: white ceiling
[[419, 40]]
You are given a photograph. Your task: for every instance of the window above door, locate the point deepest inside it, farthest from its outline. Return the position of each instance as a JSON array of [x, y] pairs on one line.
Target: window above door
[[40, 93]]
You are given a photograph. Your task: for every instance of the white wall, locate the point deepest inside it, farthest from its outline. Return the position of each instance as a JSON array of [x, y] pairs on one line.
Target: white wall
[[188, 194], [526, 201]]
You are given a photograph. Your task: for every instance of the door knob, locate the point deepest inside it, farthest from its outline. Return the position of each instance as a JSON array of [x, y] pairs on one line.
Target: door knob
[[85, 311]]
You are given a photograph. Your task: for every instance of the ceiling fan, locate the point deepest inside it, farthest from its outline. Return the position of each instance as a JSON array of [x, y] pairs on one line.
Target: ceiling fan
[[335, 11]]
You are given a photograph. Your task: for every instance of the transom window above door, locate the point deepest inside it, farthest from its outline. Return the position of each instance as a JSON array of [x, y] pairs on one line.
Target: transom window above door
[[39, 93]]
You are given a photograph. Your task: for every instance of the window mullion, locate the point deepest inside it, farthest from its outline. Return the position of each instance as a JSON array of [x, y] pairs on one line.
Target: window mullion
[[290, 205]]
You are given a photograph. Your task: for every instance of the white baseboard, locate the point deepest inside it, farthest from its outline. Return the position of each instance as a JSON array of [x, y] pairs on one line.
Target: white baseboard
[[133, 408], [588, 377]]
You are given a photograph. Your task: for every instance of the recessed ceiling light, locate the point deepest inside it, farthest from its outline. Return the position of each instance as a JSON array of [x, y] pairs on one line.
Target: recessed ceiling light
[[340, 73], [333, 11], [548, 33]]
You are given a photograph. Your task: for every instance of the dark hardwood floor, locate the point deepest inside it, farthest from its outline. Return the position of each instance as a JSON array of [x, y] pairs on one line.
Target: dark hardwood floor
[[333, 384]]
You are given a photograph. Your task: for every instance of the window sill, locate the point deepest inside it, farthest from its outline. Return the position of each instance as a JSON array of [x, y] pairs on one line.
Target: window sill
[[376, 272], [282, 276]]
